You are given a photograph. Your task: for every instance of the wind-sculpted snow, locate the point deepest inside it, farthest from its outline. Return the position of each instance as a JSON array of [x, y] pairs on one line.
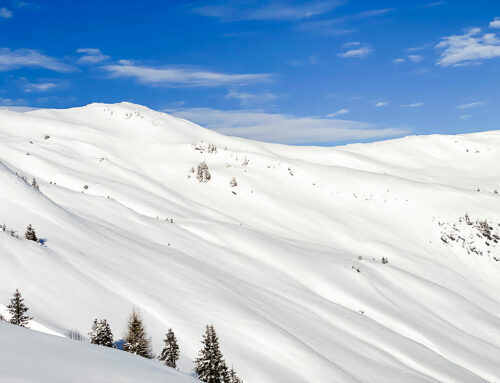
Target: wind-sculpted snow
[[286, 264]]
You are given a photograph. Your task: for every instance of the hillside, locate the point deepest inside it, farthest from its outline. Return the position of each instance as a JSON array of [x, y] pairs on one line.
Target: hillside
[[286, 265], [23, 358]]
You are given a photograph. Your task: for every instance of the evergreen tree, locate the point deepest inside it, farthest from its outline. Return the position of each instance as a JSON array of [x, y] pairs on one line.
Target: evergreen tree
[[101, 334], [136, 340], [233, 378], [30, 234], [34, 184], [17, 310], [210, 366], [170, 353], [233, 183]]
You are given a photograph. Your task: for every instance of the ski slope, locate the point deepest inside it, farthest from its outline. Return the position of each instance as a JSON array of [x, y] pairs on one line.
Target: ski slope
[[23, 358], [273, 262]]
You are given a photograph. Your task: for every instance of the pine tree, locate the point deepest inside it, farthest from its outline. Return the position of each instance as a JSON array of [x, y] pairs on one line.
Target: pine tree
[[170, 353], [210, 366], [136, 340], [203, 173], [17, 310], [30, 234], [233, 183], [233, 378], [34, 184], [101, 334]]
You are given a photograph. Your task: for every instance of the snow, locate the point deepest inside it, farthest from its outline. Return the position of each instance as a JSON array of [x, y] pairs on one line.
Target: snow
[[23, 359], [273, 265]]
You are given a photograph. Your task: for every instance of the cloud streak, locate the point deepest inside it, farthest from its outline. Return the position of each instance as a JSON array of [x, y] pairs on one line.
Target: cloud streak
[[272, 11], [91, 56], [470, 48], [181, 76], [283, 128], [29, 58]]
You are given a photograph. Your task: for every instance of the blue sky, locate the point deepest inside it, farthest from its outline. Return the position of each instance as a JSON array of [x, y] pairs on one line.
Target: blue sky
[[300, 72]]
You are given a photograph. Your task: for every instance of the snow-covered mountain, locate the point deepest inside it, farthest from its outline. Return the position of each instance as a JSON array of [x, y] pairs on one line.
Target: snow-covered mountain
[[286, 265]]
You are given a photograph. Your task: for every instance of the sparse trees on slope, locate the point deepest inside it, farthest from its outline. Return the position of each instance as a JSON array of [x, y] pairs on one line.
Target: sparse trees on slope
[[30, 234], [170, 353], [210, 366], [101, 334], [17, 310], [136, 339]]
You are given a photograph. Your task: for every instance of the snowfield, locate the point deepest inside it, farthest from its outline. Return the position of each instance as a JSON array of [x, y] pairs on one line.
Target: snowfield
[[27, 357], [286, 265]]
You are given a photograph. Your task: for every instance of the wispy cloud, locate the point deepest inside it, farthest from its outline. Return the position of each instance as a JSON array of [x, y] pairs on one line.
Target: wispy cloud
[[246, 98], [414, 105], [465, 116], [416, 58], [399, 60], [338, 25], [20, 58], [470, 48], [271, 11], [91, 56], [433, 4], [338, 113], [360, 52], [470, 105], [5, 13], [283, 128], [181, 76], [30, 87], [495, 23], [381, 104]]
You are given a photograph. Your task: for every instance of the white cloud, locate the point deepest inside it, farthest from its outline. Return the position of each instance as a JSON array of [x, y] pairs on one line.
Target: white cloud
[[91, 56], [470, 105], [282, 128], [246, 98], [39, 87], [414, 105], [465, 116], [495, 23], [338, 113], [357, 53], [399, 60], [276, 11], [416, 58], [380, 104], [10, 60], [351, 44], [181, 76], [5, 13], [469, 48]]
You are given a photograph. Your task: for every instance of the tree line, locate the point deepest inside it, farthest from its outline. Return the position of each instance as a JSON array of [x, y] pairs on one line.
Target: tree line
[[210, 365]]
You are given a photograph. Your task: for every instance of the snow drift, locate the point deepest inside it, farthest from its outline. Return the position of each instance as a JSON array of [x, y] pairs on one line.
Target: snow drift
[[286, 265]]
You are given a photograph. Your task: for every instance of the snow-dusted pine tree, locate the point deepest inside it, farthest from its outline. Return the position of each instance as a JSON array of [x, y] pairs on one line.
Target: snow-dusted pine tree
[[34, 184], [233, 378], [101, 334], [233, 183], [30, 234], [17, 310], [203, 173], [170, 353], [136, 339], [210, 366]]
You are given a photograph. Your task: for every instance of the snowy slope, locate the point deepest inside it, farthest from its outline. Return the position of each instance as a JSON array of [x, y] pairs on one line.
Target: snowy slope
[[273, 266], [23, 358]]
